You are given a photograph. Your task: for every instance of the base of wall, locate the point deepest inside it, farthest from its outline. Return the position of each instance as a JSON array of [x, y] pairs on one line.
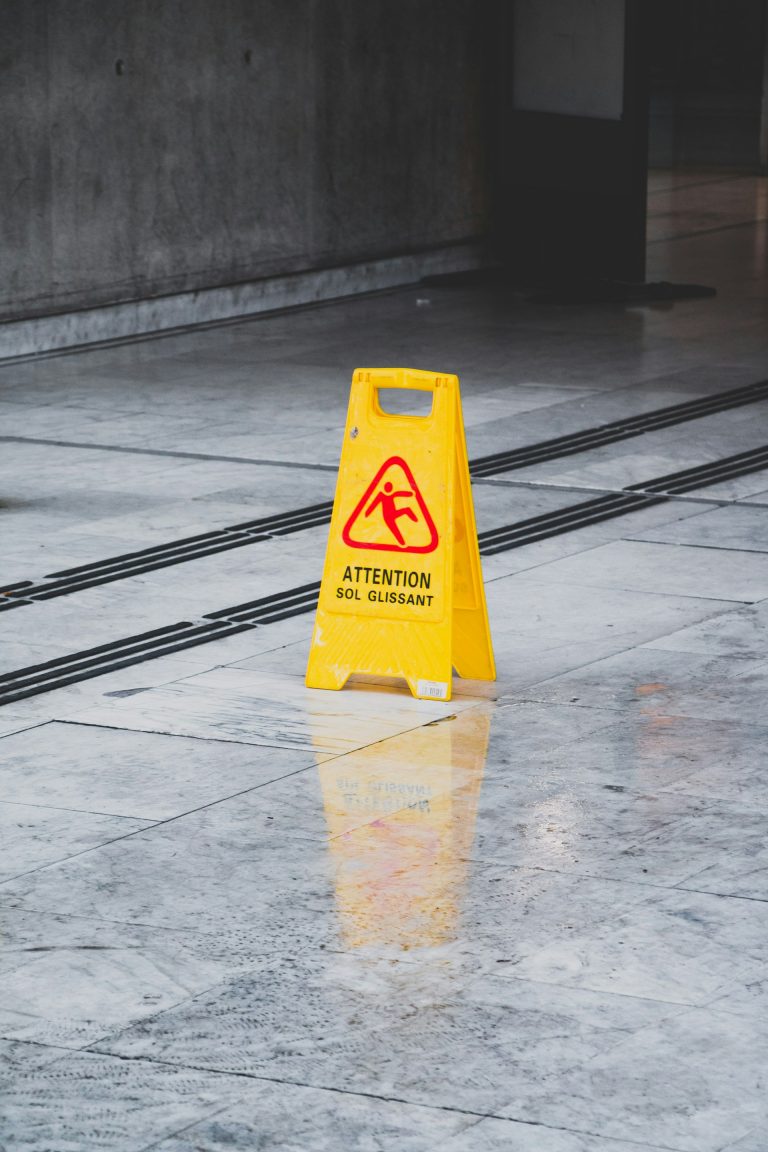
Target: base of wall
[[42, 334]]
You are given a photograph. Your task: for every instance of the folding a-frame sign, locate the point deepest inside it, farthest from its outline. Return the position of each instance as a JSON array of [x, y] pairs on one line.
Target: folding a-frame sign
[[402, 591]]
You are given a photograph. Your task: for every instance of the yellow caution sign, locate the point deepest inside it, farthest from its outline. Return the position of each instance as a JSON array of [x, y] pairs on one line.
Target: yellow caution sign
[[402, 591]]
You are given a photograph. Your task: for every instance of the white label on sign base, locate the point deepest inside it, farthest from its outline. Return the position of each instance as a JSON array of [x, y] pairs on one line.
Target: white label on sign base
[[436, 689]]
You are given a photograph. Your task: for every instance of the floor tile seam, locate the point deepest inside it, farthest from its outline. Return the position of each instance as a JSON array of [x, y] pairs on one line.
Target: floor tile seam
[[545, 563], [671, 790], [643, 591], [610, 994], [508, 702], [703, 547], [199, 1121], [25, 1019], [155, 821], [574, 874], [74, 855], [663, 595], [94, 847], [147, 820], [664, 827], [441, 1108], [642, 1146], [737, 608], [143, 951], [740, 876], [731, 986], [14, 966], [729, 179], [627, 1036], [576, 702], [328, 840], [622, 651], [669, 497], [753, 222], [46, 1046], [580, 786], [219, 986], [150, 826], [115, 727], [731, 1147], [172, 929], [28, 728], [167, 452], [667, 791], [568, 743], [465, 1128], [450, 1109], [675, 888], [330, 757], [747, 968]]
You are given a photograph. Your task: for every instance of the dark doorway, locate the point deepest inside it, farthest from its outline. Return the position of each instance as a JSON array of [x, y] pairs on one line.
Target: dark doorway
[[707, 66], [571, 183]]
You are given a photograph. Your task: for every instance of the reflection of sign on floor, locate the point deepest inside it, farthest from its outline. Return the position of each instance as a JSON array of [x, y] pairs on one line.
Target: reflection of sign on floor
[[402, 591], [401, 824], [391, 515]]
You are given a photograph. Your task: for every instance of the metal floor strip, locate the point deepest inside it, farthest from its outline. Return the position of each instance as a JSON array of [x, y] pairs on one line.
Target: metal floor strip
[[703, 475], [617, 430], [69, 580], [563, 520], [66, 581], [129, 650], [297, 601], [641, 495]]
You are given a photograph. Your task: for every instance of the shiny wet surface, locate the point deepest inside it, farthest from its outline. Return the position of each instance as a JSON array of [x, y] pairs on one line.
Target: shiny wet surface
[[237, 913]]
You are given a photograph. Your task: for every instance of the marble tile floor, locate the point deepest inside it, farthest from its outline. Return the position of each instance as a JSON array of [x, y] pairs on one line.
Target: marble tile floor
[[238, 914]]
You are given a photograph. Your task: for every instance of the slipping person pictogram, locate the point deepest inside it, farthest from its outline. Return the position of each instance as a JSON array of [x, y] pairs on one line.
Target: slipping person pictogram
[[389, 510], [382, 522]]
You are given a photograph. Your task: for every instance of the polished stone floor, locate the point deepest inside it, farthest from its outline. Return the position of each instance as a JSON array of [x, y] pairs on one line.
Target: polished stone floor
[[239, 914]]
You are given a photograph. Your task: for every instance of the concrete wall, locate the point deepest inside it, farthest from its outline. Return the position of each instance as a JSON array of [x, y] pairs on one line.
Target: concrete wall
[[162, 146]]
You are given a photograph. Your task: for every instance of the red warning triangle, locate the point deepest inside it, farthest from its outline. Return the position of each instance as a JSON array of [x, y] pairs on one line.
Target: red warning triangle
[[391, 515]]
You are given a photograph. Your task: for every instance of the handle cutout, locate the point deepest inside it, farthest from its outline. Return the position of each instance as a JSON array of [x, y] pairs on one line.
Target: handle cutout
[[405, 401]]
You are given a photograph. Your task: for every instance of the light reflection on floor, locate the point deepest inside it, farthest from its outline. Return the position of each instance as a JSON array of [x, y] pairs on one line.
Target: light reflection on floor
[[401, 820]]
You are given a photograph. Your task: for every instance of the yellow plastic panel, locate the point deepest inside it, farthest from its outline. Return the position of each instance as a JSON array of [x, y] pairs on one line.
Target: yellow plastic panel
[[402, 592]]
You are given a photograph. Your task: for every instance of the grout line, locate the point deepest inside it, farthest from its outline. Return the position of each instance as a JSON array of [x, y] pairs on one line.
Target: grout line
[[755, 222], [729, 179], [198, 1121], [169, 452], [151, 825], [704, 547], [444, 1108], [555, 486]]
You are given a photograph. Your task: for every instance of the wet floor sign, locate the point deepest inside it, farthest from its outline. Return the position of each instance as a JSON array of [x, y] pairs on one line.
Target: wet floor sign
[[402, 592]]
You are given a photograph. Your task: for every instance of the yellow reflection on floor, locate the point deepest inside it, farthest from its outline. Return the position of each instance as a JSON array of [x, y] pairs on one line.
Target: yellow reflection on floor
[[401, 821]]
